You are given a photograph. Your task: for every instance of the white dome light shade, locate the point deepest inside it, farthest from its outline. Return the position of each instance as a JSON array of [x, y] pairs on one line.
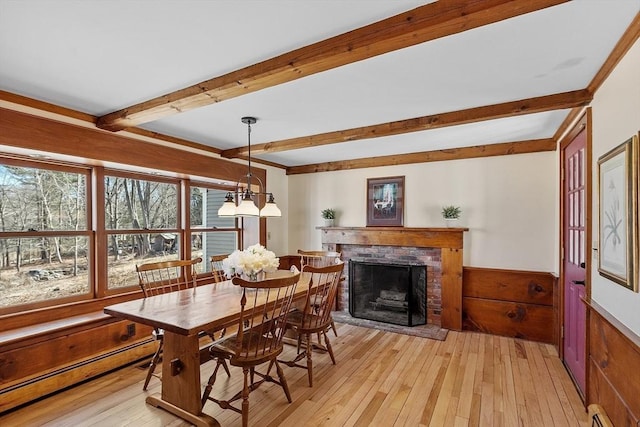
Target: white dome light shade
[[228, 208], [270, 208]]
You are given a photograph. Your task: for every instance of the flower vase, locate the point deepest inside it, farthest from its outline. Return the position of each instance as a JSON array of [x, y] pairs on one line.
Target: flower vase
[[253, 276]]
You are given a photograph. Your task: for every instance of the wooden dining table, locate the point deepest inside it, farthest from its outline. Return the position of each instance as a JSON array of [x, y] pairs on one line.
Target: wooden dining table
[[183, 315]]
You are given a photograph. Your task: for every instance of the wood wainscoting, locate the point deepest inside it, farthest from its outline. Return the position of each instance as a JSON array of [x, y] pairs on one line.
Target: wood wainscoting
[[614, 367], [510, 303]]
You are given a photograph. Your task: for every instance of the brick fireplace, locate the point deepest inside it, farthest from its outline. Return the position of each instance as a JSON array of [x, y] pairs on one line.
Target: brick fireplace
[[439, 249], [429, 257]]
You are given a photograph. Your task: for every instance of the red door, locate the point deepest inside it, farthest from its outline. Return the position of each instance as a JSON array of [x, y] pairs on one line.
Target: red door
[[574, 193]]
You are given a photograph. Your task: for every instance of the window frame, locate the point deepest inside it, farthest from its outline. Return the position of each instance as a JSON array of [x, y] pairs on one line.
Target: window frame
[[105, 233], [189, 230], [98, 234], [58, 166]]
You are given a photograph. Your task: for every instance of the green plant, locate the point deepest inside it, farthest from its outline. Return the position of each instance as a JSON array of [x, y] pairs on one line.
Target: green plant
[[328, 214], [451, 212]]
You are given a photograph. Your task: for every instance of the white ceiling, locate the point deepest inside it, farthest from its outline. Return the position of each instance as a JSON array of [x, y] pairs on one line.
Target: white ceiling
[[101, 56]]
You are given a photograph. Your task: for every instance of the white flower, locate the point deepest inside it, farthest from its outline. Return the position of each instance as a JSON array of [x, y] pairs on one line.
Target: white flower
[[251, 261]]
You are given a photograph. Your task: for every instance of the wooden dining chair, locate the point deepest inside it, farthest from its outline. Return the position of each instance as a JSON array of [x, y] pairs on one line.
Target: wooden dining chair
[[315, 318], [319, 259], [157, 278], [264, 306], [217, 270]]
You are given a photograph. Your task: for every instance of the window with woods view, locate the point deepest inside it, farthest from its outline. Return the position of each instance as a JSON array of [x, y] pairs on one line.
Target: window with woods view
[[50, 252], [45, 242], [132, 205]]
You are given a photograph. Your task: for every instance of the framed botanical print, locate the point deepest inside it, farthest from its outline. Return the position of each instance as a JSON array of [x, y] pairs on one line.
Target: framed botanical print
[[618, 213]]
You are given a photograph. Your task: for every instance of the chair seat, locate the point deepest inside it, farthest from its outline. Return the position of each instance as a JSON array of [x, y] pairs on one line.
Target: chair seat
[[228, 348], [306, 322]]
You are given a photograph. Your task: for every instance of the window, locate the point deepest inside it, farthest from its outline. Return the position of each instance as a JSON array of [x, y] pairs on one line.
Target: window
[[45, 237], [58, 244], [210, 234], [133, 204]]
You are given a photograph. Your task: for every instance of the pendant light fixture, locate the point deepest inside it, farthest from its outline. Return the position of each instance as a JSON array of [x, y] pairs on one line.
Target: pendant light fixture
[[247, 206]]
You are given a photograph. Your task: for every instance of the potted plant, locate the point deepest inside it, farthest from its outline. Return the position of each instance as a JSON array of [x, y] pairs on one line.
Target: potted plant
[[329, 215], [451, 214]]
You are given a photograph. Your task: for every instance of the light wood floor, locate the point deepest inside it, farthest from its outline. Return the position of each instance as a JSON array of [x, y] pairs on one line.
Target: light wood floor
[[381, 379]]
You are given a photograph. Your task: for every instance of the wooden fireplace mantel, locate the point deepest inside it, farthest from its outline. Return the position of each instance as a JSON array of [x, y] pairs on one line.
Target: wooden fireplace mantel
[[449, 240], [395, 236]]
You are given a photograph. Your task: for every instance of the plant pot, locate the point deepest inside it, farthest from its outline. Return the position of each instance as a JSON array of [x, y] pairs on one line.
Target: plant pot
[[451, 222], [328, 222]]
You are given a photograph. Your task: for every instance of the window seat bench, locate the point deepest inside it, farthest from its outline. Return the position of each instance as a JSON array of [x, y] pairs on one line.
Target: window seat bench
[[47, 330], [40, 359]]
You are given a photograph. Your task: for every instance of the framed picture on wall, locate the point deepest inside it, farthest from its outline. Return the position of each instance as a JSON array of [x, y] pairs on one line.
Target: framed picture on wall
[[618, 228], [385, 201]]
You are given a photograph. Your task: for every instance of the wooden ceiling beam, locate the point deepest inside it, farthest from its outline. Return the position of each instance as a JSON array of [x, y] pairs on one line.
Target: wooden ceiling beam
[[31, 132], [518, 147], [424, 23], [540, 104], [627, 40], [67, 113]]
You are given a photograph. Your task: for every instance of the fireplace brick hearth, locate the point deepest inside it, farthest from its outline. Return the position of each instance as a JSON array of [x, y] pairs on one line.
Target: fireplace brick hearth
[[440, 249]]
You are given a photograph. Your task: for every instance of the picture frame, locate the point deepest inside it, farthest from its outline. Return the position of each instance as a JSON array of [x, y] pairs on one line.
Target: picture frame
[[385, 201], [618, 214]]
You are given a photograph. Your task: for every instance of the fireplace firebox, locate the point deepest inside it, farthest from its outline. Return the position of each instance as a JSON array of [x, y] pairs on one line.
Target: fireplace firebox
[[389, 293]]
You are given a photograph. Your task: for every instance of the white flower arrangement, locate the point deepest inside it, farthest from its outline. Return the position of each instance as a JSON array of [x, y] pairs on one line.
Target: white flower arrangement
[[250, 262]]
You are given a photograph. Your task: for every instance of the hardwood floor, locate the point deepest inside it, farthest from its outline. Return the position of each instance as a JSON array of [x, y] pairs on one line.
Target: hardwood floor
[[381, 379]]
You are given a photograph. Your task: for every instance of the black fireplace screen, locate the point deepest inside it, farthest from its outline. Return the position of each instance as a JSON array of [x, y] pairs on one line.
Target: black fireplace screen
[[390, 293]]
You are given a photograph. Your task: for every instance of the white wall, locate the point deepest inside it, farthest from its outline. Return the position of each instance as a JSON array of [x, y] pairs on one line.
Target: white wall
[[616, 117], [277, 228], [509, 204]]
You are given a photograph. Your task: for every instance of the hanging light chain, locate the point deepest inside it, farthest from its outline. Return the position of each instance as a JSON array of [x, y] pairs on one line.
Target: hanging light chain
[[249, 150]]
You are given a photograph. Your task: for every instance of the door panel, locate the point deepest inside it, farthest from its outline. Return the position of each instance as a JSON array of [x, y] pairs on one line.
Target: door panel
[[573, 232]]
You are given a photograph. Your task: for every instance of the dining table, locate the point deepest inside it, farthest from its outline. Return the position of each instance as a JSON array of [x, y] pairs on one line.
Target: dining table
[[183, 315]]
